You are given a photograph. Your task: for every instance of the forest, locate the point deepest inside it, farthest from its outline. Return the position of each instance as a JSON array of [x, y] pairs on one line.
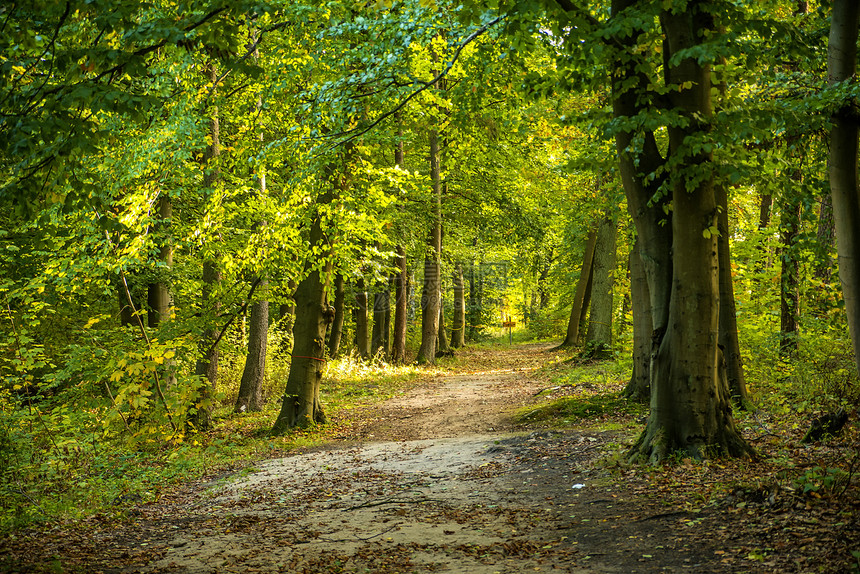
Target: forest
[[214, 212]]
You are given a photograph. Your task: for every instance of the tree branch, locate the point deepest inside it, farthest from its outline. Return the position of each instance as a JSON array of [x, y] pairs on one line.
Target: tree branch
[[358, 132]]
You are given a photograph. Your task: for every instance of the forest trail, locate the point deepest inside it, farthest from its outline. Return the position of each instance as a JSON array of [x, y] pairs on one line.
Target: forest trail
[[435, 480]]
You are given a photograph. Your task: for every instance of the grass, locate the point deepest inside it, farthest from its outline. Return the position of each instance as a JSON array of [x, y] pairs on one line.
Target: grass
[[569, 409]]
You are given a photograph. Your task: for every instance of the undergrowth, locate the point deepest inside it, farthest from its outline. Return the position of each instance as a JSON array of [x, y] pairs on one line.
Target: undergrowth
[[59, 464]]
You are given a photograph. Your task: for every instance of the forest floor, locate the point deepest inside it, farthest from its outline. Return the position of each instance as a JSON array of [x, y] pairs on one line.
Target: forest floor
[[442, 478]]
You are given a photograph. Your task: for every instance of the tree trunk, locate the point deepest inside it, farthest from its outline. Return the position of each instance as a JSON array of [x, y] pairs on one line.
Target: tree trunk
[[362, 340], [599, 334], [207, 364], [380, 312], [442, 346], [401, 300], [386, 327], [586, 303], [789, 275], [728, 315], [250, 396], [301, 406], [690, 405], [431, 294], [573, 324], [844, 187], [458, 327], [473, 312], [825, 236], [639, 387], [158, 296], [336, 333]]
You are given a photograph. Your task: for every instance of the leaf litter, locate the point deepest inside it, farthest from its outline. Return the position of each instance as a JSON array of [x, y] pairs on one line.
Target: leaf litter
[[445, 479]]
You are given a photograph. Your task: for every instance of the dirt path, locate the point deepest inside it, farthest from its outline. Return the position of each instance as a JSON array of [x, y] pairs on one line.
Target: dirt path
[[437, 480]]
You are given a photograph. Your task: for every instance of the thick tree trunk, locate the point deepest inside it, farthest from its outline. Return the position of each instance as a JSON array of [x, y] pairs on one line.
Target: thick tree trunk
[[639, 157], [401, 301], [458, 327], [362, 340], [431, 294], [250, 397], [844, 186], [582, 287], [639, 387], [690, 405], [301, 406], [728, 315], [336, 333], [764, 209], [599, 334]]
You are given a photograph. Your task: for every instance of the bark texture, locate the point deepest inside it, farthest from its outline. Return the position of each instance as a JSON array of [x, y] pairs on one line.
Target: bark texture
[[690, 406], [301, 406], [571, 338], [250, 397], [431, 294], [599, 334], [728, 314], [844, 186], [639, 387]]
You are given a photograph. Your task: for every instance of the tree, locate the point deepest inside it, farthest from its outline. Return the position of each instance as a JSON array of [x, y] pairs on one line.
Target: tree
[[458, 325], [599, 334], [844, 186], [336, 331], [690, 407], [250, 397], [431, 292], [301, 406], [582, 296]]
